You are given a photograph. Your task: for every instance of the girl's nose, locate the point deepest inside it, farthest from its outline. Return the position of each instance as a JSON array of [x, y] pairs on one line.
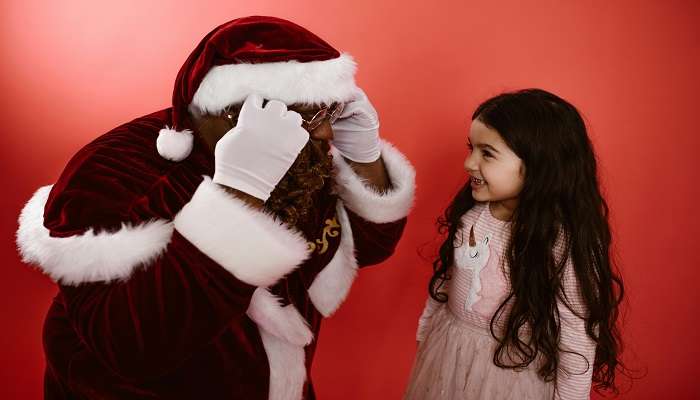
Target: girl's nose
[[470, 163]]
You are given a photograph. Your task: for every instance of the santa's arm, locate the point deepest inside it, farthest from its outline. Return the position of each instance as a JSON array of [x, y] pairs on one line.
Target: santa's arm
[[143, 297], [378, 197], [373, 173]]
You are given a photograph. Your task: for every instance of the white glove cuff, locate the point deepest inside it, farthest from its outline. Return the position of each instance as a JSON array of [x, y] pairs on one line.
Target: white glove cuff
[[362, 147], [244, 181]]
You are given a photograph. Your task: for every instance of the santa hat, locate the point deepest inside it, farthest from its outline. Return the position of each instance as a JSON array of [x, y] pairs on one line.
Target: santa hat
[[270, 56]]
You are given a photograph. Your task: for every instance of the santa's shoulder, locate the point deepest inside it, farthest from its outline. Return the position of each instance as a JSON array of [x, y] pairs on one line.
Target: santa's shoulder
[[137, 138], [113, 180]]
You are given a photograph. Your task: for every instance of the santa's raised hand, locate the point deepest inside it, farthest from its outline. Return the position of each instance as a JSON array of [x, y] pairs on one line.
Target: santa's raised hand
[[356, 132], [255, 155]]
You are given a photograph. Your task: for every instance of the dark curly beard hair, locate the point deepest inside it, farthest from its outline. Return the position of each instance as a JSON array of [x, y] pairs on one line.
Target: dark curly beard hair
[[295, 195]]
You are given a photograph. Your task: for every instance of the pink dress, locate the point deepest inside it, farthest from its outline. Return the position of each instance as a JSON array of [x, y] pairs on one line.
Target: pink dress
[[455, 353]]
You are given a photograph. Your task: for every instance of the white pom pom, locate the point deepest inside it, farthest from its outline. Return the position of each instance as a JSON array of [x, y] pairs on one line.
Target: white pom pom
[[174, 145]]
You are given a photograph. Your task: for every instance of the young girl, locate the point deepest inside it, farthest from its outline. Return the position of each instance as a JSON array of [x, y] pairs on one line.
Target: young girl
[[524, 300]]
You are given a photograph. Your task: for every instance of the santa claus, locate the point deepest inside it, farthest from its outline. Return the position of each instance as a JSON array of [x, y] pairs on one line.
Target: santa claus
[[197, 249]]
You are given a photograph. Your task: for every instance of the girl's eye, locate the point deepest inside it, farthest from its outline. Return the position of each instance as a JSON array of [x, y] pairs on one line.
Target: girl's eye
[[487, 154]]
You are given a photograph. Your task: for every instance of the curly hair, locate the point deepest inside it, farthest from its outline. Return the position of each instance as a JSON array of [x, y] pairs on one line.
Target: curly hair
[[294, 196], [560, 197]]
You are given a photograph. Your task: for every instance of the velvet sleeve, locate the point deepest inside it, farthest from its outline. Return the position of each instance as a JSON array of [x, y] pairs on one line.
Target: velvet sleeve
[[153, 260], [374, 242], [147, 324], [377, 219]]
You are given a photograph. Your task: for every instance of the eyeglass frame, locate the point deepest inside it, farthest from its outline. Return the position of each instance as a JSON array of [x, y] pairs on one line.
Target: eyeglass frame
[[310, 125], [322, 114]]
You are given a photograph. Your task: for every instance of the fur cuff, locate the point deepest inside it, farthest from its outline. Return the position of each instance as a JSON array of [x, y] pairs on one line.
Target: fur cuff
[[249, 243], [284, 322], [284, 333], [367, 203], [287, 367], [332, 285], [88, 257]]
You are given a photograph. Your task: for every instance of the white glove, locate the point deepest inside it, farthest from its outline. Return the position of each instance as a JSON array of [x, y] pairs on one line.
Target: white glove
[[356, 132], [255, 155]]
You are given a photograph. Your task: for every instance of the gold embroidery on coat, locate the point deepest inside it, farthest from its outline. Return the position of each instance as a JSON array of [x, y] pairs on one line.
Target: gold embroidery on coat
[[328, 231]]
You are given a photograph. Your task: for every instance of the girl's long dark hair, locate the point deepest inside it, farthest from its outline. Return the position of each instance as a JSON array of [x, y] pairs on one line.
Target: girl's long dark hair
[[560, 199]]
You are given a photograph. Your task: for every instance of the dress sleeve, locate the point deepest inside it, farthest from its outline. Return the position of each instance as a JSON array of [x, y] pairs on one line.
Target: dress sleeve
[[431, 306], [576, 348]]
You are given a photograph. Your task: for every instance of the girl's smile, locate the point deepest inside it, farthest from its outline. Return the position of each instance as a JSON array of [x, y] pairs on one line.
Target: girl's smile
[[497, 173], [477, 183]]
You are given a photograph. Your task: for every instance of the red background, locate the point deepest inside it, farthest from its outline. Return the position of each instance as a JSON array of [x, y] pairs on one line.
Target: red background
[[72, 70]]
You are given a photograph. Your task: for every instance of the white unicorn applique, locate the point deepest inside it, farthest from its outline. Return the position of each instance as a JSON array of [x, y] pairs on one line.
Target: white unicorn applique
[[476, 258]]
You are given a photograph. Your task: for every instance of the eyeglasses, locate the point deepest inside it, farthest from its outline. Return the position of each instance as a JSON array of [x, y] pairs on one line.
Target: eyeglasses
[[331, 112]]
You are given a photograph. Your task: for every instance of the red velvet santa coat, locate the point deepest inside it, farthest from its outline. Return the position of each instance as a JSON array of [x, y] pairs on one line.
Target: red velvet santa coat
[[164, 277]]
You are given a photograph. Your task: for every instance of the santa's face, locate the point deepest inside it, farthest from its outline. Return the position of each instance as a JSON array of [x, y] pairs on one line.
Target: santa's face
[[212, 127], [321, 135], [497, 174], [322, 132]]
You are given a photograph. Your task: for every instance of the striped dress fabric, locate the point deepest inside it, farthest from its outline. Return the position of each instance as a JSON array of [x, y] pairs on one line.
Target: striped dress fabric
[[478, 285]]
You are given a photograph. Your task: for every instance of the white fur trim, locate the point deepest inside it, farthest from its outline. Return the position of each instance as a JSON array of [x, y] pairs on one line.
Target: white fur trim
[[284, 322], [88, 257], [174, 145], [367, 203], [289, 81], [332, 285], [250, 244], [287, 368]]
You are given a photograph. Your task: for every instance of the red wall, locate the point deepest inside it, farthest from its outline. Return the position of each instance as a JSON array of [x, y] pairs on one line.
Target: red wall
[[72, 71]]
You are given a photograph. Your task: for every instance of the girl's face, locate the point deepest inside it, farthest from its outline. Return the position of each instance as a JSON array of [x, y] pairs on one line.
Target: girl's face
[[497, 174]]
